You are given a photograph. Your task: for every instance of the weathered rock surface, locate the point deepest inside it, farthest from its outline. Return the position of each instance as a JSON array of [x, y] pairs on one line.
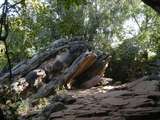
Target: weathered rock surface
[[137, 100], [53, 108], [74, 63], [66, 99], [68, 63]]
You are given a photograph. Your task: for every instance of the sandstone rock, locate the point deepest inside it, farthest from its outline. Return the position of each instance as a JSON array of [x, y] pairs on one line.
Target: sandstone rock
[[146, 86], [96, 69], [53, 108], [114, 102], [147, 113], [139, 102], [66, 99], [131, 103]]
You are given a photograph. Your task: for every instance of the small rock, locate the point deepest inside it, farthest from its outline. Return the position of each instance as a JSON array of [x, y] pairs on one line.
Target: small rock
[[57, 98], [66, 99], [69, 99], [53, 108]]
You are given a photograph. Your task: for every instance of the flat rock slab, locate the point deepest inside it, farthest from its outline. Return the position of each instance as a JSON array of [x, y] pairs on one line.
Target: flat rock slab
[[132, 103]]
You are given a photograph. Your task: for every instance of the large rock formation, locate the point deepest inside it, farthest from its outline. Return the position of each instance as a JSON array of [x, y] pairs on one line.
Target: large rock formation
[[68, 63]]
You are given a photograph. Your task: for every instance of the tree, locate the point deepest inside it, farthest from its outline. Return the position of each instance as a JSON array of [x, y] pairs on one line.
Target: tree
[[101, 22]]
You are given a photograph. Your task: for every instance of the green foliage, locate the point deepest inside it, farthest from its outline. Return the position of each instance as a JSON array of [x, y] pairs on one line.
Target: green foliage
[[128, 61], [9, 102], [2, 55], [101, 22]]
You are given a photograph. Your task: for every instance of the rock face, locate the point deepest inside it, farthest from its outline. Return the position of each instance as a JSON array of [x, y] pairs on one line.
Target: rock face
[[137, 100], [68, 63], [32, 81], [131, 103], [75, 63]]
